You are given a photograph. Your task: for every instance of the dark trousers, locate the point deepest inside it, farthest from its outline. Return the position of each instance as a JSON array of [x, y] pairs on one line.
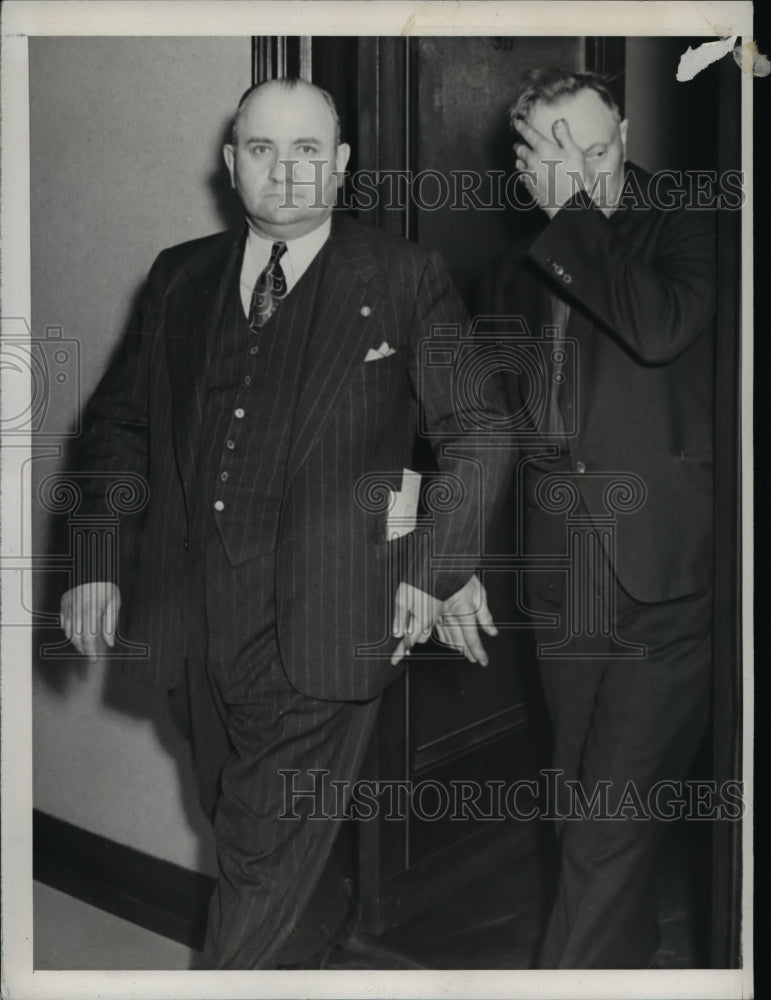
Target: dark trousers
[[278, 895], [620, 721]]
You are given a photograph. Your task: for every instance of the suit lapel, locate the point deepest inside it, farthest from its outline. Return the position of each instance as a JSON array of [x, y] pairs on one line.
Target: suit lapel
[[196, 300], [348, 317], [340, 335]]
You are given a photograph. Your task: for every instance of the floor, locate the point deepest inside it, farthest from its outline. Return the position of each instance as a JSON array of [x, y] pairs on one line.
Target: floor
[[70, 934], [494, 924]]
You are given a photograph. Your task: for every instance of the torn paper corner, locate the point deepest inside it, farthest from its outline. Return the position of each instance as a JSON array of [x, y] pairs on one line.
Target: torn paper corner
[[693, 61], [751, 61]]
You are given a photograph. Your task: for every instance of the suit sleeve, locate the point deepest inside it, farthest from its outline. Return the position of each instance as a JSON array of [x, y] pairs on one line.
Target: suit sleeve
[[655, 298], [114, 452], [489, 301], [463, 415]]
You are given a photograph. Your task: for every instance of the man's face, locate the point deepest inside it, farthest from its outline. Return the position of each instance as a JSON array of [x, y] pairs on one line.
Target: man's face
[[598, 134], [274, 166]]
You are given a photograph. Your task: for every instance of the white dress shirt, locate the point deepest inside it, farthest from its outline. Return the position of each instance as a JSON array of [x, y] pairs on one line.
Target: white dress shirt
[[295, 262]]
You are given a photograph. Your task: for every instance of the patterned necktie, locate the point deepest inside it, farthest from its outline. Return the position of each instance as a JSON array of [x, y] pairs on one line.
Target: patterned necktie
[[269, 290]]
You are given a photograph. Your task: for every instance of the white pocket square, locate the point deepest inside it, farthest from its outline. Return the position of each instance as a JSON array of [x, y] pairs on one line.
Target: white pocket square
[[384, 351]]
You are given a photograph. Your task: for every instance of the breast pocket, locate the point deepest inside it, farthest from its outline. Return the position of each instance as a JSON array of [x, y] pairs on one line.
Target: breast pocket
[[381, 380], [379, 416], [383, 365]]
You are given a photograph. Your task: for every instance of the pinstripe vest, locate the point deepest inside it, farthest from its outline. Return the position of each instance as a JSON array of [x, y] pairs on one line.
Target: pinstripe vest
[[252, 388]]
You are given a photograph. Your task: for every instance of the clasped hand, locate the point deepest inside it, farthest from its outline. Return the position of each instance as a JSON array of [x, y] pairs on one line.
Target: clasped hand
[[457, 621]]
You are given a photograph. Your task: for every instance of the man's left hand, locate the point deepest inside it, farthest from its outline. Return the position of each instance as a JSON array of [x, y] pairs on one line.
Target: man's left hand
[[462, 616], [553, 169]]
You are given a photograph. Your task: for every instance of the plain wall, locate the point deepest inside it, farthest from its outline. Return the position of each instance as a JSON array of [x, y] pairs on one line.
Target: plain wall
[[125, 156]]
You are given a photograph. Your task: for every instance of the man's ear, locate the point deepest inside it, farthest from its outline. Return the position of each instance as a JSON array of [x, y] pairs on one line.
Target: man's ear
[[622, 128], [342, 156], [229, 153]]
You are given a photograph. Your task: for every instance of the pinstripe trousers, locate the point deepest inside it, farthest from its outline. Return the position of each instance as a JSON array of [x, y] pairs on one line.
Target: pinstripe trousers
[[248, 726]]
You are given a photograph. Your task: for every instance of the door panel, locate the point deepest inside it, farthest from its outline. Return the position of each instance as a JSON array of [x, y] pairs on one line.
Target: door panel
[[462, 90]]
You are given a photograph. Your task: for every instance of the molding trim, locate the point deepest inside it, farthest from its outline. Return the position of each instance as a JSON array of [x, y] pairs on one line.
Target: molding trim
[[158, 895]]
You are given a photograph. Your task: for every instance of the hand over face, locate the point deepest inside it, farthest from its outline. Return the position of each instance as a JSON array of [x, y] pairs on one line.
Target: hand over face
[[553, 169]]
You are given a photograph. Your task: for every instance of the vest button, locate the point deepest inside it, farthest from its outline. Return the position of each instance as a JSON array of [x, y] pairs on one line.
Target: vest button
[[238, 413], [247, 379], [219, 505], [253, 349], [230, 444], [224, 477]]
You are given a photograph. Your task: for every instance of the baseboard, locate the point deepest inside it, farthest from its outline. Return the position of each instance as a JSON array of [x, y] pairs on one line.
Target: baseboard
[[158, 895]]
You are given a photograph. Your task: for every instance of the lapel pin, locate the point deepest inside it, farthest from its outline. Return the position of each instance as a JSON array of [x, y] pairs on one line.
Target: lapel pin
[[365, 310]]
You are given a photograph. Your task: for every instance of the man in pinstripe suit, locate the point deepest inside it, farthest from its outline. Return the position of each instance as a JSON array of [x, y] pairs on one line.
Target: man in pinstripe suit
[[267, 374]]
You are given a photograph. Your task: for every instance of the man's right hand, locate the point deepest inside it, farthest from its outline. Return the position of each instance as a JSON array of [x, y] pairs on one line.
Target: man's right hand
[[89, 617], [463, 615], [552, 167]]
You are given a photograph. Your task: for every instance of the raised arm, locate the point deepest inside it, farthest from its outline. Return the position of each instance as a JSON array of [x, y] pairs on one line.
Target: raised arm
[[656, 295]]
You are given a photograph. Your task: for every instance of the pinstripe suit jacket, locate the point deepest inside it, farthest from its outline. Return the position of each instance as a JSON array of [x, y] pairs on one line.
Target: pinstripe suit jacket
[[353, 419]]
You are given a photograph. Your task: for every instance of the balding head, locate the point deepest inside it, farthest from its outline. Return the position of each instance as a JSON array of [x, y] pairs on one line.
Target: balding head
[[286, 83]]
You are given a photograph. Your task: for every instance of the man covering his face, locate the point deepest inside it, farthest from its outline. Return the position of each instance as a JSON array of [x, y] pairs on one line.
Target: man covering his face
[[619, 300]]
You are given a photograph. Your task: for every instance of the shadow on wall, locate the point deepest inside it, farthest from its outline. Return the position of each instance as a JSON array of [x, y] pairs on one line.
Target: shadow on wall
[[224, 197], [143, 704], [65, 675]]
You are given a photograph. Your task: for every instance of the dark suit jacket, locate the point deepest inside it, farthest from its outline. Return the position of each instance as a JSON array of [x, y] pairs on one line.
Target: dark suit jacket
[[641, 290], [353, 419]]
